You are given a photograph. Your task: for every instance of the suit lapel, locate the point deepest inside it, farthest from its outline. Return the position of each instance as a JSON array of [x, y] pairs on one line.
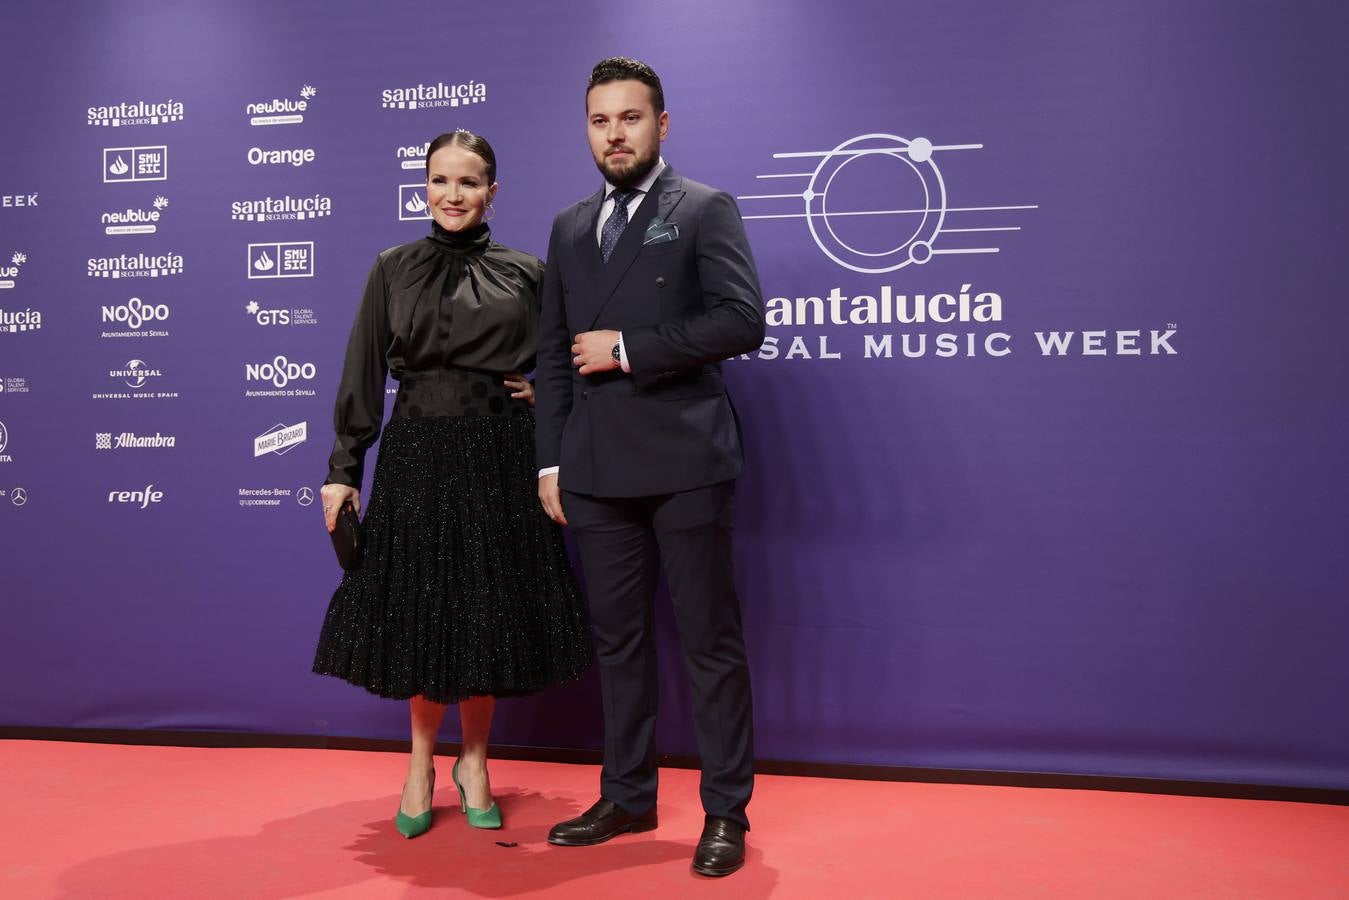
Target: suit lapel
[[584, 243], [668, 192]]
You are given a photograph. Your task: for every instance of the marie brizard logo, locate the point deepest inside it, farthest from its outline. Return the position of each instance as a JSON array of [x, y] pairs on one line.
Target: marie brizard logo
[[847, 184]]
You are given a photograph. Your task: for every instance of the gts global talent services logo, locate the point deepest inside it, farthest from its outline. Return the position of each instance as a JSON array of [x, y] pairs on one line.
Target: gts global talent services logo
[[281, 209], [278, 111], [131, 164], [9, 273], [135, 221], [436, 94], [138, 112], [270, 317], [412, 204]]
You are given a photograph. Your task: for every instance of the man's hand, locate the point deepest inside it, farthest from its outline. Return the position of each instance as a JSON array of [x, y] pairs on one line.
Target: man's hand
[[550, 495], [593, 351]]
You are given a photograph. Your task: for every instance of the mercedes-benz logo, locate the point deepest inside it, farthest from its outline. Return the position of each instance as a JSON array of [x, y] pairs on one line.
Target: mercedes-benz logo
[[304, 496], [18, 496]]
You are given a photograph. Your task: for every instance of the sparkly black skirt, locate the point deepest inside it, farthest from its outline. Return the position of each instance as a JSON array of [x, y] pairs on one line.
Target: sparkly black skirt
[[465, 588]]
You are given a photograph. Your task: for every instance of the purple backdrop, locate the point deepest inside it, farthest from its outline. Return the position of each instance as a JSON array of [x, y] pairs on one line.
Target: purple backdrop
[[964, 551]]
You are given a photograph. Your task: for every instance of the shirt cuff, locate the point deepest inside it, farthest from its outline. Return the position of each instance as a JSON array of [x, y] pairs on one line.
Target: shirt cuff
[[550, 470], [623, 355]]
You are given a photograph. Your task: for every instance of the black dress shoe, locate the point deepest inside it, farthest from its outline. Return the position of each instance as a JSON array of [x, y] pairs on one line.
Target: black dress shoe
[[721, 849], [599, 823]]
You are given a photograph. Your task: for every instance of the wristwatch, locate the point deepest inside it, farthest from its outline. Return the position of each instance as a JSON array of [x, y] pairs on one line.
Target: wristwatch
[[618, 353]]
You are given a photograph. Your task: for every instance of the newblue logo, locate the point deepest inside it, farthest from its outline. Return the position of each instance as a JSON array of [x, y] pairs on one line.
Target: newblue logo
[[437, 94], [294, 259], [10, 272], [414, 156], [135, 221], [139, 112], [412, 204], [129, 164], [281, 112]]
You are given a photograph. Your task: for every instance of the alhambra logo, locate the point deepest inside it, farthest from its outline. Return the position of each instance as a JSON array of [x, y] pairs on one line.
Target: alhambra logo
[[9, 273], [129, 440], [837, 193], [132, 164], [278, 111], [135, 221], [436, 94], [136, 265], [281, 209], [138, 112]]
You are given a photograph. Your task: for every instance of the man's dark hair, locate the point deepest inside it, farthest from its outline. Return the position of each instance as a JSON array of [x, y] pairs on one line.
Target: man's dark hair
[[620, 68], [473, 143]]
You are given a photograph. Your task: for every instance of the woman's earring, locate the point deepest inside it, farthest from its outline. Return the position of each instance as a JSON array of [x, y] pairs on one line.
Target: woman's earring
[[491, 213]]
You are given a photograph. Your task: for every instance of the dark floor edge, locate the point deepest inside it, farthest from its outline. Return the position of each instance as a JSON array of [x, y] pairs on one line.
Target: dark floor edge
[[1226, 790]]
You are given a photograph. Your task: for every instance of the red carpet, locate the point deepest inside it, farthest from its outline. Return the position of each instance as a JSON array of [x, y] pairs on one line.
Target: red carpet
[[87, 820]]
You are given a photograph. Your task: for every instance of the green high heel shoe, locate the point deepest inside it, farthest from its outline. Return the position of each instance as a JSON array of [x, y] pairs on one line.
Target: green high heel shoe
[[478, 818], [411, 826]]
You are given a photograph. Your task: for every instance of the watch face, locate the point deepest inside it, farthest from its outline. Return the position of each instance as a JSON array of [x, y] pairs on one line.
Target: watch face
[[618, 356]]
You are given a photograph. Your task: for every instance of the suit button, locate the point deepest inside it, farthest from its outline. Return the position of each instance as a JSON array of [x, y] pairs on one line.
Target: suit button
[[660, 282], [585, 395]]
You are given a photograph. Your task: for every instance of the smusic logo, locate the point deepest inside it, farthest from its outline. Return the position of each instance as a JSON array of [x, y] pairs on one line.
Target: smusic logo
[[294, 259], [123, 164], [412, 204], [135, 221], [136, 265], [280, 439], [439, 94], [279, 209], [139, 112], [281, 112]]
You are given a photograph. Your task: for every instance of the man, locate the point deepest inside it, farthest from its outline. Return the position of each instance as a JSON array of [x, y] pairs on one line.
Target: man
[[650, 284]]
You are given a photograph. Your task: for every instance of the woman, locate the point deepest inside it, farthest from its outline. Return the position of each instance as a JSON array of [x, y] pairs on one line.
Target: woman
[[465, 592]]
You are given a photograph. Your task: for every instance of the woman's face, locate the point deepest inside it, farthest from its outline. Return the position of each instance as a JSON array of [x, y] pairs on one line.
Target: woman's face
[[457, 189]]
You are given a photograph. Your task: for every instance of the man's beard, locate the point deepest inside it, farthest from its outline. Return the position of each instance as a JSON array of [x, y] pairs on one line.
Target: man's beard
[[630, 177]]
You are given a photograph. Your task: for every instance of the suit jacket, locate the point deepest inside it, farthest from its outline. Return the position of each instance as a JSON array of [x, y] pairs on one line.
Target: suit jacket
[[681, 287]]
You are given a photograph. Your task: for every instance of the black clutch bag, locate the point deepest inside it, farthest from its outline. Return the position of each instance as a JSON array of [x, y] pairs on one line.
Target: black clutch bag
[[348, 541]]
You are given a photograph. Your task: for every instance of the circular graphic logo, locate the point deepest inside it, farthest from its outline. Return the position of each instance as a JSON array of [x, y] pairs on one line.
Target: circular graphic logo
[[18, 496], [876, 170], [4, 437], [304, 496], [135, 380]]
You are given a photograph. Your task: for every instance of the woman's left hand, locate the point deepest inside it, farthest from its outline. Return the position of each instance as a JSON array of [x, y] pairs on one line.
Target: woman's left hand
[[523, 390]]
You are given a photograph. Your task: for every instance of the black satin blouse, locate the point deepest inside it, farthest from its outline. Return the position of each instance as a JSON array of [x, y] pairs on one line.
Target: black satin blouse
[[449, 300]]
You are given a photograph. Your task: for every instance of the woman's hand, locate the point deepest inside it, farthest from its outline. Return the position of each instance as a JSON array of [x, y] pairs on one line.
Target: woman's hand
[[523, 389], [333, 496]]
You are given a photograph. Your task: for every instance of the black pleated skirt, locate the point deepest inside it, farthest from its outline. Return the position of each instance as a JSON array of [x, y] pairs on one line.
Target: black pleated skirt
[[465, 588]]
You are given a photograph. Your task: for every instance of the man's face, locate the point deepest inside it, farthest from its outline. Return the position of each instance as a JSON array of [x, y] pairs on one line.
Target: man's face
[[625, 132]]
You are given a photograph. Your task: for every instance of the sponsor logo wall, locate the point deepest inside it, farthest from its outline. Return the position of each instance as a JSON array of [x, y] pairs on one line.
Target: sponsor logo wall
[[1023, 394]]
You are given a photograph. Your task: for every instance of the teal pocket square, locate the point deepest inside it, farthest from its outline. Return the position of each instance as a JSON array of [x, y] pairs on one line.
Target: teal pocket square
[[660, 232]]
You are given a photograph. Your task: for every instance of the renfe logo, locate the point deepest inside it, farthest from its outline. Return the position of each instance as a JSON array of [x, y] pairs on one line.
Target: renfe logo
[[143, 499]]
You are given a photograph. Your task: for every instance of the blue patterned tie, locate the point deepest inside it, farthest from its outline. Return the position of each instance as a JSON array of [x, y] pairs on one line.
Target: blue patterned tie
[[617, 221]]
